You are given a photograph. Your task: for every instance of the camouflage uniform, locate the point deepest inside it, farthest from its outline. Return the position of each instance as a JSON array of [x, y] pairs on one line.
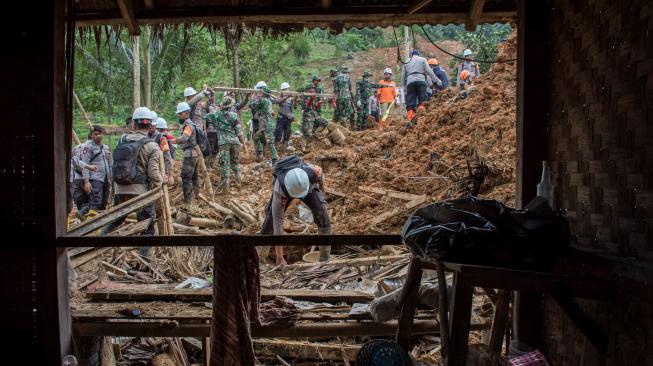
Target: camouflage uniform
[[264, 135], [311, 108], [198, 109], [253, 105], [344, 110], [363, 93], [229, 129]]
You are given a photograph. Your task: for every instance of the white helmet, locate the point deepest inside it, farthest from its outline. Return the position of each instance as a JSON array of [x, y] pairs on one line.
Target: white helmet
[[182, 107], [467, 52], [189, 92], [153, 116], [142, 113], [387, 70], [284, 85], [296, 182], [161, 123], [260, 84]]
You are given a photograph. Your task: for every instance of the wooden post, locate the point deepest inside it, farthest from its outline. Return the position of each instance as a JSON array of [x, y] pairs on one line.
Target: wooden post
[[460, 315], [165, 220], [408, 301], [501, 310]]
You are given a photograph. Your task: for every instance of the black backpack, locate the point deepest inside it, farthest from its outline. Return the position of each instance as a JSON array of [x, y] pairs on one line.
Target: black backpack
[[287, 163], [125, 159], [200, 138]]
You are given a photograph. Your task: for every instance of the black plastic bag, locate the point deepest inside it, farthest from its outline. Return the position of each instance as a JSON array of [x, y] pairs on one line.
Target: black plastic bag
[[471, 228]]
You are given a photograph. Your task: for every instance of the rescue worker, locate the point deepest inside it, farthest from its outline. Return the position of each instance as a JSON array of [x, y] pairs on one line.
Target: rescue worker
[[254, 122], [414, 76], [343, 106], [197, 108], [188, 140], [294, 179], [230, 138], [386, 96], [164, 144], [440, 73], [363, 93], [285, 118], [97, 182], [265, 133], [311, 119], [375, 109], [129, 124], [467, 65], [315, 80], [80, 198], [137, 150], [212, 137]]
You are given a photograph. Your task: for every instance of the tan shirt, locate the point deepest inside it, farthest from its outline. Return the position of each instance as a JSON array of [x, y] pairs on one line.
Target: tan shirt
[[148, 160]]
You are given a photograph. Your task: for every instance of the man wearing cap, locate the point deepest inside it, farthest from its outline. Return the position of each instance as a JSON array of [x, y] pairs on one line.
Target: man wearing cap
[[386, 96], [363, 93], [469, 65], [284, 119], [97, 182], [414, 78], [230, 138], [188, 140], [253, 105], [264, 135], [311, 119], [136, 148], [344, 111], [294, 179], [197, 109]]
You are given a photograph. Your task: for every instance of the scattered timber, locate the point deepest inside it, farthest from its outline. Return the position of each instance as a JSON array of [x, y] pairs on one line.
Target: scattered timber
[[306, 350], [289, 93]]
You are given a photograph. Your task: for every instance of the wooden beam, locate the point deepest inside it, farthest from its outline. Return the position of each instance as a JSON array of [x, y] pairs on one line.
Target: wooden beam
[[80, 259], [418, 5], [590, 329], [127, 11], [475, 12], [326, 4], [353, 262], [348, 17], [149, 4], [116, 212], [306, 350], [146, 293], [236, 239]]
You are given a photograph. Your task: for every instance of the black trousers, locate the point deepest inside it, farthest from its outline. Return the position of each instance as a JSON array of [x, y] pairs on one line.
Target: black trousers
[[189, 180], [283, 129], [415, 94], [314, 200], [142, 214]]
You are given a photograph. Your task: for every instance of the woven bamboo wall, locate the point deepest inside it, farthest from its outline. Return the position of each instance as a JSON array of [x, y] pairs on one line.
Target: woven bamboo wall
[[601, 128]]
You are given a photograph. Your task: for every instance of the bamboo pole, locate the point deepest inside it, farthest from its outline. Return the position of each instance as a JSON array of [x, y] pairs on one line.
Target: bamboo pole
[[165, 200], [81, 107], [203, 172], [246, 91]]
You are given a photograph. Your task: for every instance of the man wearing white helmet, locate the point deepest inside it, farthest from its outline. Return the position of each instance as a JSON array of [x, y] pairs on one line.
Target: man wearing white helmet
[[188, 140], [136, 150], [470, 66], [284, 118], [197, 109], [164, 145], [386, 96], [254, 107], [294, 179]]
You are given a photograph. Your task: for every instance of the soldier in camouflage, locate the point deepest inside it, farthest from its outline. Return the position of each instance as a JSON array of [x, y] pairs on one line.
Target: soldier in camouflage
[[311, 119], [344, 111], [230, 138], [364, 90], [264, 135]]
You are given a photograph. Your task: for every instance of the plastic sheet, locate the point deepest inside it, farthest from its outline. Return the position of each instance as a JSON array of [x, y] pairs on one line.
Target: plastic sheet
[[474, 227]]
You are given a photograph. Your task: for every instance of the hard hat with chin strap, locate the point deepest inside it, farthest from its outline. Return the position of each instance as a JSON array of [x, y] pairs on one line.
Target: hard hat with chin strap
[[260, 85], [154, 117], [284, 85], [467, 52], [189, 92], [296, 183], [182, 107], [387, 70]]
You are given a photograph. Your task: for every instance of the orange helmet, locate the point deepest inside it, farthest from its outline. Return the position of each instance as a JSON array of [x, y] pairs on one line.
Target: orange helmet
[[433, 61], [464, 75]]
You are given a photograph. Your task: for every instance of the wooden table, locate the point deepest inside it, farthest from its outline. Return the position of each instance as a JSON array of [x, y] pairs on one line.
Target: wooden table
[[561, 287]]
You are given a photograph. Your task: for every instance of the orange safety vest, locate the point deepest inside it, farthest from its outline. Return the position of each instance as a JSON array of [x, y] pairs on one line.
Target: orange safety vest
[[387, 95]]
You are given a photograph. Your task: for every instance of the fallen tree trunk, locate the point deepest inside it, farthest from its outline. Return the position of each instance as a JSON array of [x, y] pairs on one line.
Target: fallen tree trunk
[[203, 173], [204, 222], [217, 206], [243, 216]]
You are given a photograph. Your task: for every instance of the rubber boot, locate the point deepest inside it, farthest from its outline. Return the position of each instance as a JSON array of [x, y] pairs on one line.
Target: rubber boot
[[188, 194], [259, 156], [238, 178], [410, 115], [91, 214], [421, 108], [325, 250]]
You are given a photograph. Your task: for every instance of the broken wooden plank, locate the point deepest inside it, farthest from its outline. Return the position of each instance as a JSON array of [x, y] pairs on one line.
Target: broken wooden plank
[[183, 229], [115, 213], [333, 192], [116, 270], [146, 293], [132, 228], [87, 256], [306, 350], [217, 206], [351, 262], [390, 193]]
